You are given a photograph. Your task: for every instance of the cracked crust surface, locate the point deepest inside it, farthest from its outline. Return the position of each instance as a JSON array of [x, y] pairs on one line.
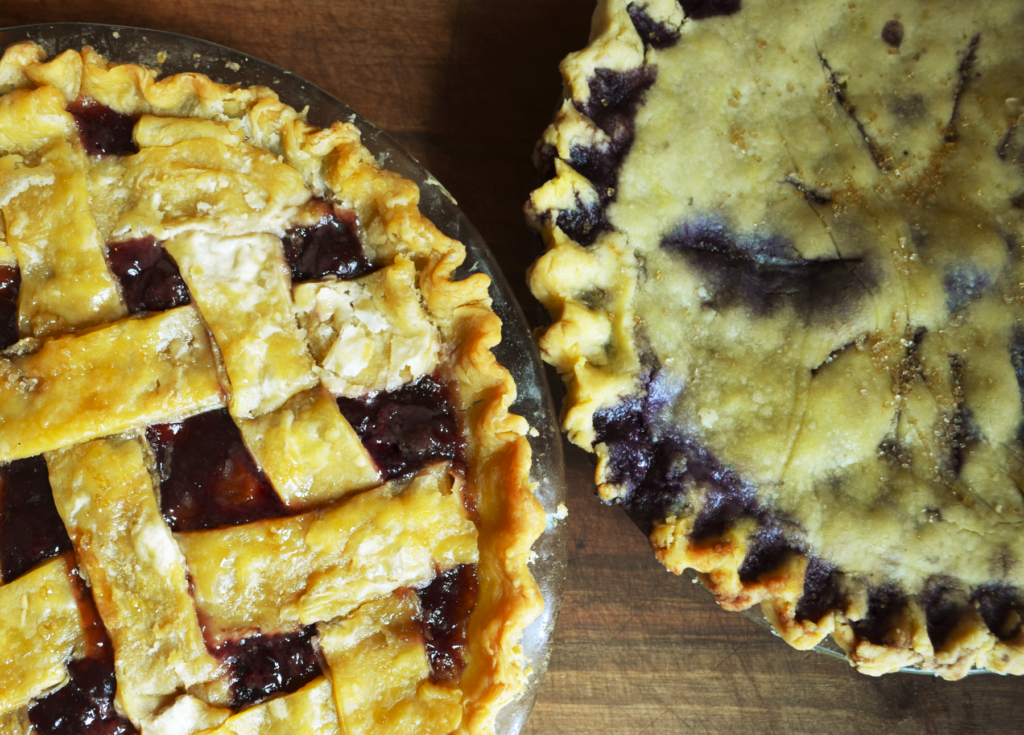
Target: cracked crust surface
[[784, 264]]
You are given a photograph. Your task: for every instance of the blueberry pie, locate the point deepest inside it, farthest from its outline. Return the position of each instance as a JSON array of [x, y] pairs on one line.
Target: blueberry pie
[[257, 469], [785, 268]]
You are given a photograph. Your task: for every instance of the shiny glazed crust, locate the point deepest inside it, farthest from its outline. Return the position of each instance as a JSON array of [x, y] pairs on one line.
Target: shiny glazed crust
[[588, 280], [292, 161]]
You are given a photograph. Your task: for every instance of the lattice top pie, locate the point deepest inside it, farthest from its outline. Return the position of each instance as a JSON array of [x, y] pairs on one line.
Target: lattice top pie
[[257, 469], [785, 270]]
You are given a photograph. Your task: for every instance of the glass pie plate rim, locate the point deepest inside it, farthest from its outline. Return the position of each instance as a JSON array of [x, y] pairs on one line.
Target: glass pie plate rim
[[173, 53]]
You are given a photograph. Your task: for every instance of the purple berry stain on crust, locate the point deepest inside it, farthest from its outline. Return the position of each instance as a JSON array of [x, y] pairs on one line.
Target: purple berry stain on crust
[[406, 429], [264, 665], [630, 448], [765, 273], [964, 285], [767, 548], [892, 33], [656, 35], [658, 466], [1017, 357], [149, 279], [103, 131], [1000, 608], [10, 285], [331, 247], [821, 590], [884, 605], [702, 9], [583, 223], [447, 603], [943, 609], [961, 430], [208, 478], [614, 99], [1017, 360], [31, 530]]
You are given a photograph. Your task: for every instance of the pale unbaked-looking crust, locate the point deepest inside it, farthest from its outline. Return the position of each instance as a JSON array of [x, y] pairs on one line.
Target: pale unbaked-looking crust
[[334, 164], [593, 344]]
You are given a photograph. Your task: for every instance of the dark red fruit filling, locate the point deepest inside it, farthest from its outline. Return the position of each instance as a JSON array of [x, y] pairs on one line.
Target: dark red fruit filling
[[103, 131], [264, 665], [329, 248], [406, 429], [10, 285], [447, 603], [149, 278], [208, 478], [30, 527], [85, 705]]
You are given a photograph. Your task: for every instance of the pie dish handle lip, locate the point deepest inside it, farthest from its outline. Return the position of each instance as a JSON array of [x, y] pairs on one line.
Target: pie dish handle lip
[[517, 350]]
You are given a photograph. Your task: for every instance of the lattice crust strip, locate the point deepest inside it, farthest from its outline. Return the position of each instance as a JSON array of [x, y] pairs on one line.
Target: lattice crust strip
[[241, 284], [309, 710], [308, 568], [381, 674], [104, 494], [40, 628], [128, 374], [370, 334], [309, 451], [65, 282]]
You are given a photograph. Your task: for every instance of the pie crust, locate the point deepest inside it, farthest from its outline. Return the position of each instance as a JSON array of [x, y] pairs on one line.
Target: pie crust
[[783, 267], [361, 560]]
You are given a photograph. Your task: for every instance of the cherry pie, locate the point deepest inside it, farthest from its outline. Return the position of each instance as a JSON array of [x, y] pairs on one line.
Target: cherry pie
[[257, 469]]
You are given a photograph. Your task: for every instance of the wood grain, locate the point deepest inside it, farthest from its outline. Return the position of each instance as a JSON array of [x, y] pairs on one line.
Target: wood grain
[[467, 86]]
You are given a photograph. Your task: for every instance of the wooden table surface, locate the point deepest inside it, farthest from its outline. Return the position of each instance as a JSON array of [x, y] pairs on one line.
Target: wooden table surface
[[467, 86]]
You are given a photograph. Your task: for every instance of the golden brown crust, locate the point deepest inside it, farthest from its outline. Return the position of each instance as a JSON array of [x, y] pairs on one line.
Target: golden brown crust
[[332, 163]]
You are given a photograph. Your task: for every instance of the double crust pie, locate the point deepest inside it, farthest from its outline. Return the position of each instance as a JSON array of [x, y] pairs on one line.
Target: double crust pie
[[257, 467], [784, 267]]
